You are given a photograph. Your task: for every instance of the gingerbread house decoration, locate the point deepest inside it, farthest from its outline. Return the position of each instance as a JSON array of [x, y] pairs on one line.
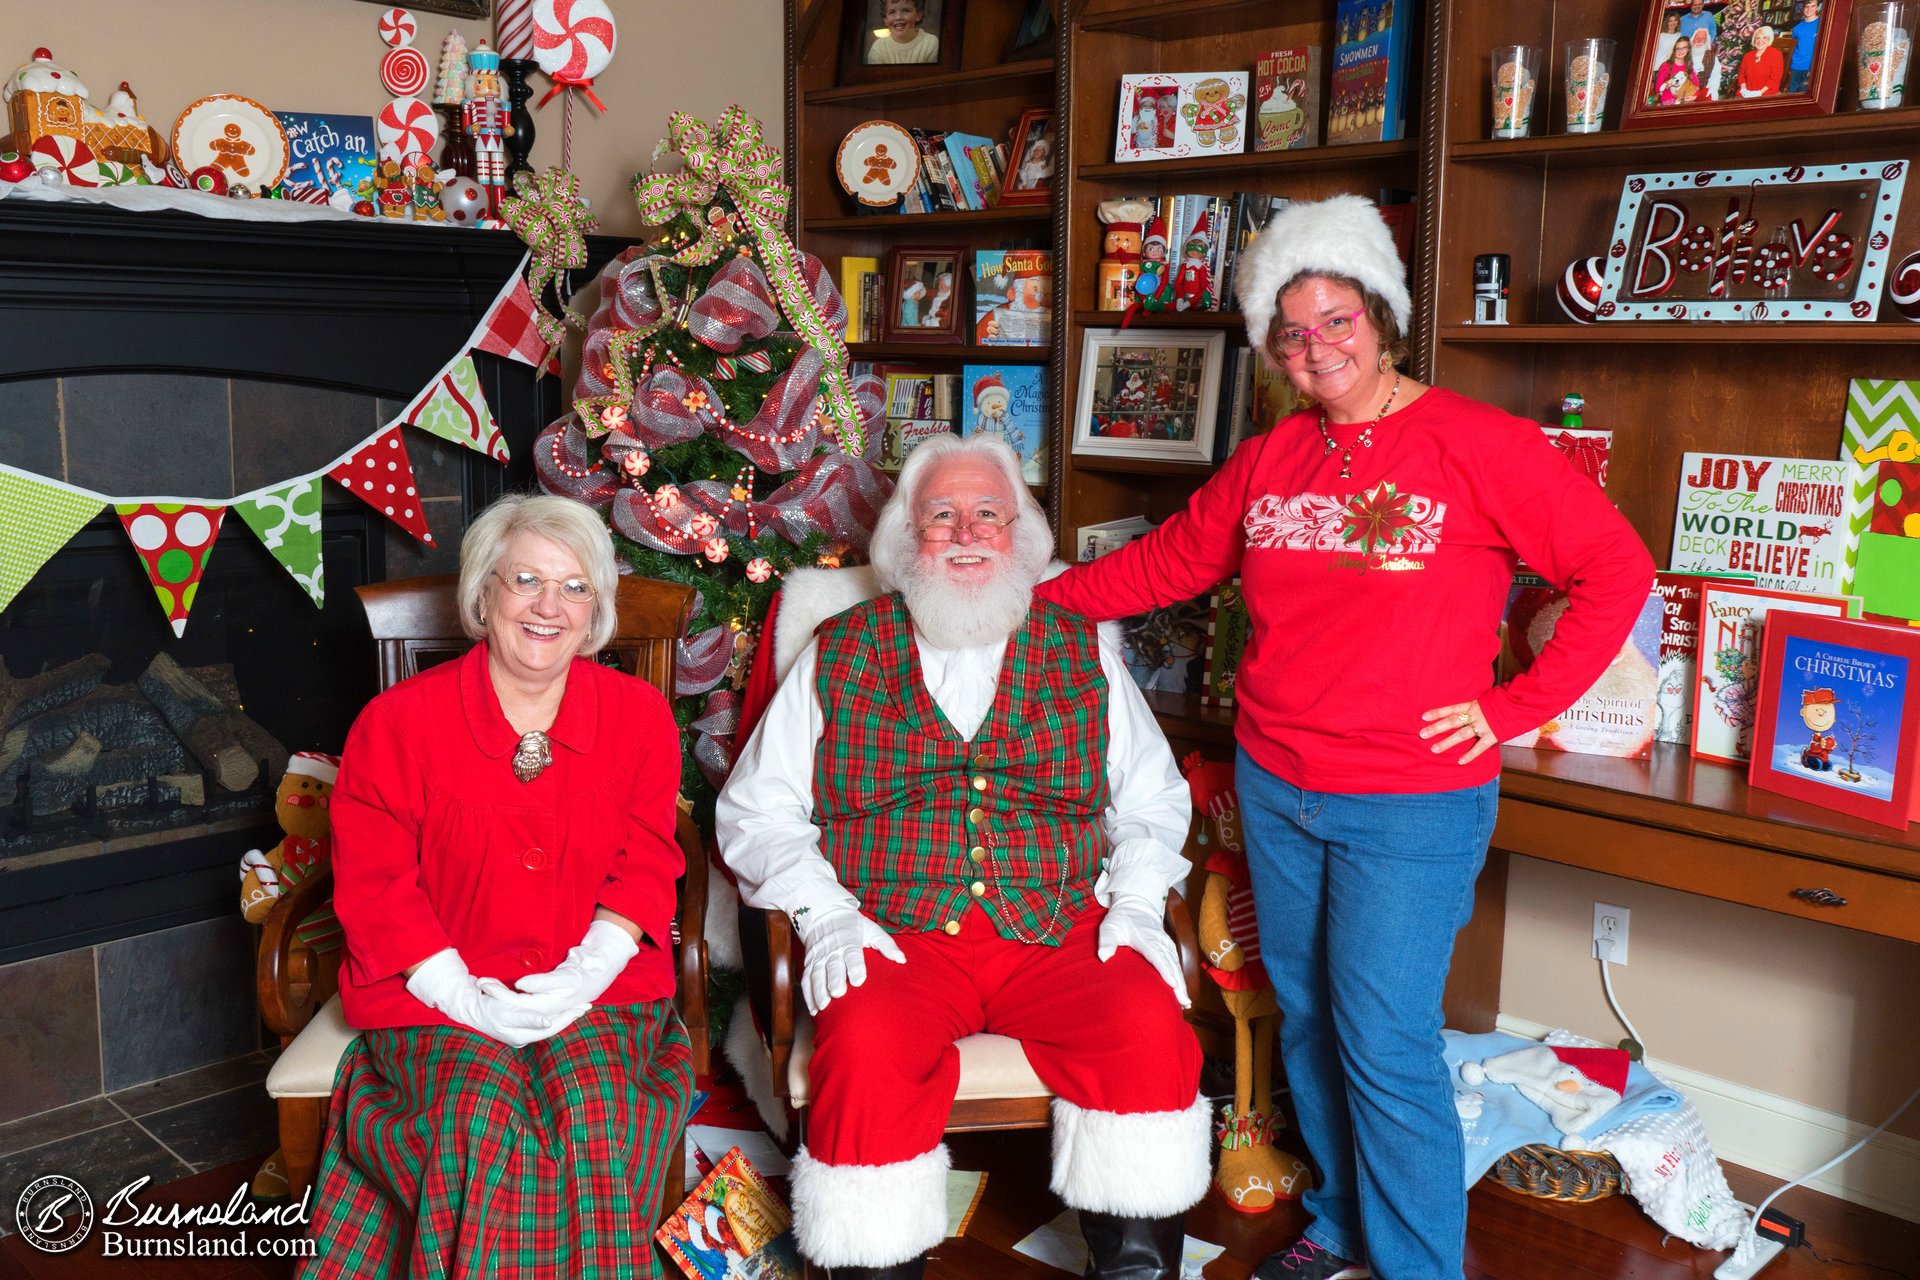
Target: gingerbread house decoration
[[44, 99]]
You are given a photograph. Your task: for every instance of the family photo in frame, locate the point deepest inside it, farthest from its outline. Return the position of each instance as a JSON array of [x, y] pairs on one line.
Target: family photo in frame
[[924, 294], [1699, 60], [1148, 394]]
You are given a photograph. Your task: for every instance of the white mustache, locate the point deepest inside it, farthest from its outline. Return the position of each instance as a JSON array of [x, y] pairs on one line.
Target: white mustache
[[972, 549]]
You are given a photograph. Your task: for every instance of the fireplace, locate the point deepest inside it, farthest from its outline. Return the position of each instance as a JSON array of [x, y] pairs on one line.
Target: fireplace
[[168, 353]]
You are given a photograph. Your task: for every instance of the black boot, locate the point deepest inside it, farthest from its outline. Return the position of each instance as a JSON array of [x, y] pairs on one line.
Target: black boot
[[1133, 1248], [912, 1269]]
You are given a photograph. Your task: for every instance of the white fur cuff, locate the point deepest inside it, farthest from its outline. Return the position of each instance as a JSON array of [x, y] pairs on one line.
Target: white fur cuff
[[870, 1215], [1151, 1164]]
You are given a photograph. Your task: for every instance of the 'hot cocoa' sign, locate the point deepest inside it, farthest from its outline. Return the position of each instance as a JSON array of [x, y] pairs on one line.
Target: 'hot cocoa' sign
[[1753, 244]]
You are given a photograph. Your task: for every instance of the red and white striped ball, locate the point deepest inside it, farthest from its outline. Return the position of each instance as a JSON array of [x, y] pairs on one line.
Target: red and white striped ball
[[1578, 290], [1903, 288]]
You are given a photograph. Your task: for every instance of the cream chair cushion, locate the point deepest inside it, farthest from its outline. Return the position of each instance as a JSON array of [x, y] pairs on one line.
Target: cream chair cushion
[[306, 1067], [990, 1067]]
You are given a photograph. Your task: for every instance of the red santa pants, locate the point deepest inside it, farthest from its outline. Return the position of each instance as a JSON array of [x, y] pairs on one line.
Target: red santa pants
[[1106, 1037]]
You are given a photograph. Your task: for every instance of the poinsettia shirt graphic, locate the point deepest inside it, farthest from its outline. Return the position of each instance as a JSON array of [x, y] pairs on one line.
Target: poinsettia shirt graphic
[[1381, 528]]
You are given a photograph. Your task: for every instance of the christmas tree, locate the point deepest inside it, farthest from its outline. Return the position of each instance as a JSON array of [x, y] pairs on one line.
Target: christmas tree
[[714, 423]]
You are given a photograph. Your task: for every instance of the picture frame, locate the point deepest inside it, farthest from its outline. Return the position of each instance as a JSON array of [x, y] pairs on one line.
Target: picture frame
[[1731, 72], [1169, 115], [1148, 394], [1838, 718], [1030, 160], [934, 46], [916, 309], [452, 8], [1734, 617], [1034, 37]]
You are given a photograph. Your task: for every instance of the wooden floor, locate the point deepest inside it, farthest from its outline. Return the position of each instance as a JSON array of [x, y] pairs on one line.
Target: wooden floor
[[1509, 1236]]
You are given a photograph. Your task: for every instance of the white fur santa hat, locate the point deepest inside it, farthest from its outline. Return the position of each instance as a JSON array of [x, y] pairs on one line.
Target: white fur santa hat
[[1338, 236]]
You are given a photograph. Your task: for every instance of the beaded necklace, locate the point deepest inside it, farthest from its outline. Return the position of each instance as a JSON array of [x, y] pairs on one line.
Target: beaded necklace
[[1365, 440]]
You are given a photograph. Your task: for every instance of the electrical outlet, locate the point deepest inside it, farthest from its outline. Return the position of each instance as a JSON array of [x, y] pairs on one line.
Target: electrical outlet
[[1610, 921]]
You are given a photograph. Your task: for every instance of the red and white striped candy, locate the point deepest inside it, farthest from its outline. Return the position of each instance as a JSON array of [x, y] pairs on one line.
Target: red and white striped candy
[[406, 126], [513, 28], [307, 193], [573, 40], [72, 158], [404, 71], [398, 28]]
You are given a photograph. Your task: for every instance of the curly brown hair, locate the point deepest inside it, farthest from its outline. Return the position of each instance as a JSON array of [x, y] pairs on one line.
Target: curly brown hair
[[1379, 315]]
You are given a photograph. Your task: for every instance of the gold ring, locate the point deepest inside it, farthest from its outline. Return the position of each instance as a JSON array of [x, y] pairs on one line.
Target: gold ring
[[1466, 717]]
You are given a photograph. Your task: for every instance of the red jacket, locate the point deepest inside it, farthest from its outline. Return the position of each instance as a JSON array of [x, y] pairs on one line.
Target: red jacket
[[1376, 598], [436, 844]]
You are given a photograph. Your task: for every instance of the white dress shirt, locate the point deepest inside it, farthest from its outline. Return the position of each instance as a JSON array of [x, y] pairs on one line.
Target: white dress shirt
[[764, 819]]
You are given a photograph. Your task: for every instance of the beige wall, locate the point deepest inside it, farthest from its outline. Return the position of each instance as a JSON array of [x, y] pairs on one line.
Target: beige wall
[[1820, 1015], [324, 55]]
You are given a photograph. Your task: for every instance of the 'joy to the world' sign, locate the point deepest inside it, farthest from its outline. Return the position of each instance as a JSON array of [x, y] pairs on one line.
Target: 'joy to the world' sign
[[1753, 244]]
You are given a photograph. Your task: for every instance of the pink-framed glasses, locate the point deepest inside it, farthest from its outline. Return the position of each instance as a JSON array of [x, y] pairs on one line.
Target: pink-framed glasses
[[1332, 331]]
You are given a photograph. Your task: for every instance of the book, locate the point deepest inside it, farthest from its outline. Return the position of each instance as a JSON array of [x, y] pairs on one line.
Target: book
[[1679, 648], [1781, 519], [1732, 621], [1366, 101], [1616, 716], [903, 434], [1012, 297], [1091, 541], [853, 288], [961, 151], [1228, 626], [1286, 98], [1251, 211], [733, 1225], [1011, 400], [1236, 403], [327, 150], [909, 393]]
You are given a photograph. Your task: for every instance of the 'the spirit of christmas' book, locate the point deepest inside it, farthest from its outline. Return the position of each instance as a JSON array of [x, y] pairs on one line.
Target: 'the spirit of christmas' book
[[1616, 716]]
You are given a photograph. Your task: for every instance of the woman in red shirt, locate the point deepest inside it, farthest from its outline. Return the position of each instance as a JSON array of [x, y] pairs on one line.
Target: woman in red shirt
[[504, 868], [1762, 69], [1376, 536]]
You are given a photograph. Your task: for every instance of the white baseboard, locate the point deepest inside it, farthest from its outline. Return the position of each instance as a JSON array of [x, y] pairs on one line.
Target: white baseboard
[[1783, 1138]]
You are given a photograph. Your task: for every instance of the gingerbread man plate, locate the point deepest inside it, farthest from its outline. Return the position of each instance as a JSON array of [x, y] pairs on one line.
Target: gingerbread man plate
[[236, 135], [877, 162]]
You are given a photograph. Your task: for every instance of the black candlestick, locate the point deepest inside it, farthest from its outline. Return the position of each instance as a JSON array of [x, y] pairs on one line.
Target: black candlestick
[[520, 141]]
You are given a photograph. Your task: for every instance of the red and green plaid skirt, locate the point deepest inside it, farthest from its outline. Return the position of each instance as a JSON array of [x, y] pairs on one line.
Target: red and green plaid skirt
[[452, 1155]]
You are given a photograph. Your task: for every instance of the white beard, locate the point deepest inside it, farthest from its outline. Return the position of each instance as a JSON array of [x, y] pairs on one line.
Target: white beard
[[959, 615]]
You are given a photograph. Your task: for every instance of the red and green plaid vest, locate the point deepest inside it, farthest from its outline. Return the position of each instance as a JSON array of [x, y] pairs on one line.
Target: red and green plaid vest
[[925, 827]]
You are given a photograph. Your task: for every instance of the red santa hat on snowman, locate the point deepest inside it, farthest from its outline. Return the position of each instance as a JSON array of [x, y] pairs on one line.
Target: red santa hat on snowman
[[990, 396], [1574, 1086]]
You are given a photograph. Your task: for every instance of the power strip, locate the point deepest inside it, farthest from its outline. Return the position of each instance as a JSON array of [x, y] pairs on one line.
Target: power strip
[[1744, 1262]]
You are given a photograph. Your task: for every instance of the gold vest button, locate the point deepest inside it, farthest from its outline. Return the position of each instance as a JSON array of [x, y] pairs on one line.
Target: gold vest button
[[978, 853], [976, 816], [978, 888], [952, 927], [979, 782]]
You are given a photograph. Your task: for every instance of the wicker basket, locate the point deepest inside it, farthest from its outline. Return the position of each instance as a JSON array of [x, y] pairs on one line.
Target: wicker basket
[[1553, 1174]]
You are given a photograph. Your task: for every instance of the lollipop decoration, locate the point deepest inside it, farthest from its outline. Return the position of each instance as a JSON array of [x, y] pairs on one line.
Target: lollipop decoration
[[573, 41], [406, 127], [404, 71], [398, 28]]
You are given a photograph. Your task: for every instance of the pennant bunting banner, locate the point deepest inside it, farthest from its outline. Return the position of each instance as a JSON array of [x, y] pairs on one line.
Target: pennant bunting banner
[[287, 522], [453, 408], [173, 541], [36, 518], [511, 327], [380, 474]]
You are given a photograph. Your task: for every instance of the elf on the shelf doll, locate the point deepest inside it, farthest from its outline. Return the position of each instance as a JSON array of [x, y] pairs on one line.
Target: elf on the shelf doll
[[1193, 281]]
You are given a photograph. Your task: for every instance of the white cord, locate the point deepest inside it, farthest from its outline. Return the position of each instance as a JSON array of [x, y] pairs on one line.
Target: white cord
[[1605, 947], [1876, 1132]]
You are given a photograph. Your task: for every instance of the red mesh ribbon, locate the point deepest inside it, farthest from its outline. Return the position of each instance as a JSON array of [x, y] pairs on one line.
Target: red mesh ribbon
[[786, 430], [563, 448], [833, 493], [703, 661], [738, 307], [660, 413], [713, 735]]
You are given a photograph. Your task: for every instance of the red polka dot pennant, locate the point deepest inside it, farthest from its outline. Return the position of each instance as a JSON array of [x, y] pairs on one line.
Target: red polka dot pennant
[[380, 474], [173, 541]]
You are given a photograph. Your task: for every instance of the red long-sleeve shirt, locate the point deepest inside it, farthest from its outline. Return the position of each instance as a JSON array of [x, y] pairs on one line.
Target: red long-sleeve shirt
[[1376, 598], [436, 843]]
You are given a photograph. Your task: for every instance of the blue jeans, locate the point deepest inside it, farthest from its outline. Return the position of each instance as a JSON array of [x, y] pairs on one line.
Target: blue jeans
[[1797, 80], [1359, 898]]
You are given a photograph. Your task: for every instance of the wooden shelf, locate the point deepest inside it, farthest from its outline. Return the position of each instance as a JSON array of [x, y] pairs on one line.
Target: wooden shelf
[[1165, 468], [1252, 163], [1688, 332], [948, 351], [1757, 140], [1196, 18], [1162, 319], [1182, 715], [943, 88], [888, 222]]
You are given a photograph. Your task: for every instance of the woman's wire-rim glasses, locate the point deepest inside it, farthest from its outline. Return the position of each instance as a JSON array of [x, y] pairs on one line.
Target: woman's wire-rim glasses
[[572, 590], [1332, 331]]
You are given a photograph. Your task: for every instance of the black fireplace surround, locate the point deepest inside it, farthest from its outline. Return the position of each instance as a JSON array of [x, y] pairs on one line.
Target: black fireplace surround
[[364, 307]]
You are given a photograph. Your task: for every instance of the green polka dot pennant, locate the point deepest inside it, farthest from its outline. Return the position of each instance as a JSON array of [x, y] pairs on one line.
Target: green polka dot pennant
[[173, 541], [37, 518], [287, 522]]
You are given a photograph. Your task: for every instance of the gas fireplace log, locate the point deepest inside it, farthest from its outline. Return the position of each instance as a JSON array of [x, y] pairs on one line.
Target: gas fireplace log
[[60, 779], [136, 764], [201, 720], [220, 682], [118, 715], [262, 746], [172, 789], [23, 697]]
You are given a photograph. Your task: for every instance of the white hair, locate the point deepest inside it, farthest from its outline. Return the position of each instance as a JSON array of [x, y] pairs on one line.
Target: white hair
[[562, 521], [949, 616]]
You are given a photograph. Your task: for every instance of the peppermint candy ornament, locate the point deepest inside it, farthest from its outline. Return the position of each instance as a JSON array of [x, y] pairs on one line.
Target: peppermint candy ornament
[[406, 127], [573, 40], [759, 569], [714, 549], [69, 157], [404, 71], [1578, 290], [398, 28], [1903, 289]]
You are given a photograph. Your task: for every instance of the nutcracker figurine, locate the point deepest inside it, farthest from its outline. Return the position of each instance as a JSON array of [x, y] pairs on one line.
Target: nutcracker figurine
[[484, 113], [1193, 280]]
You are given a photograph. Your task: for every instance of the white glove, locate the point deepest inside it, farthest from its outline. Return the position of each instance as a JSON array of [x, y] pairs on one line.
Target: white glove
[[1134, 922], [443, 982], [837, 939], [581, 979]]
